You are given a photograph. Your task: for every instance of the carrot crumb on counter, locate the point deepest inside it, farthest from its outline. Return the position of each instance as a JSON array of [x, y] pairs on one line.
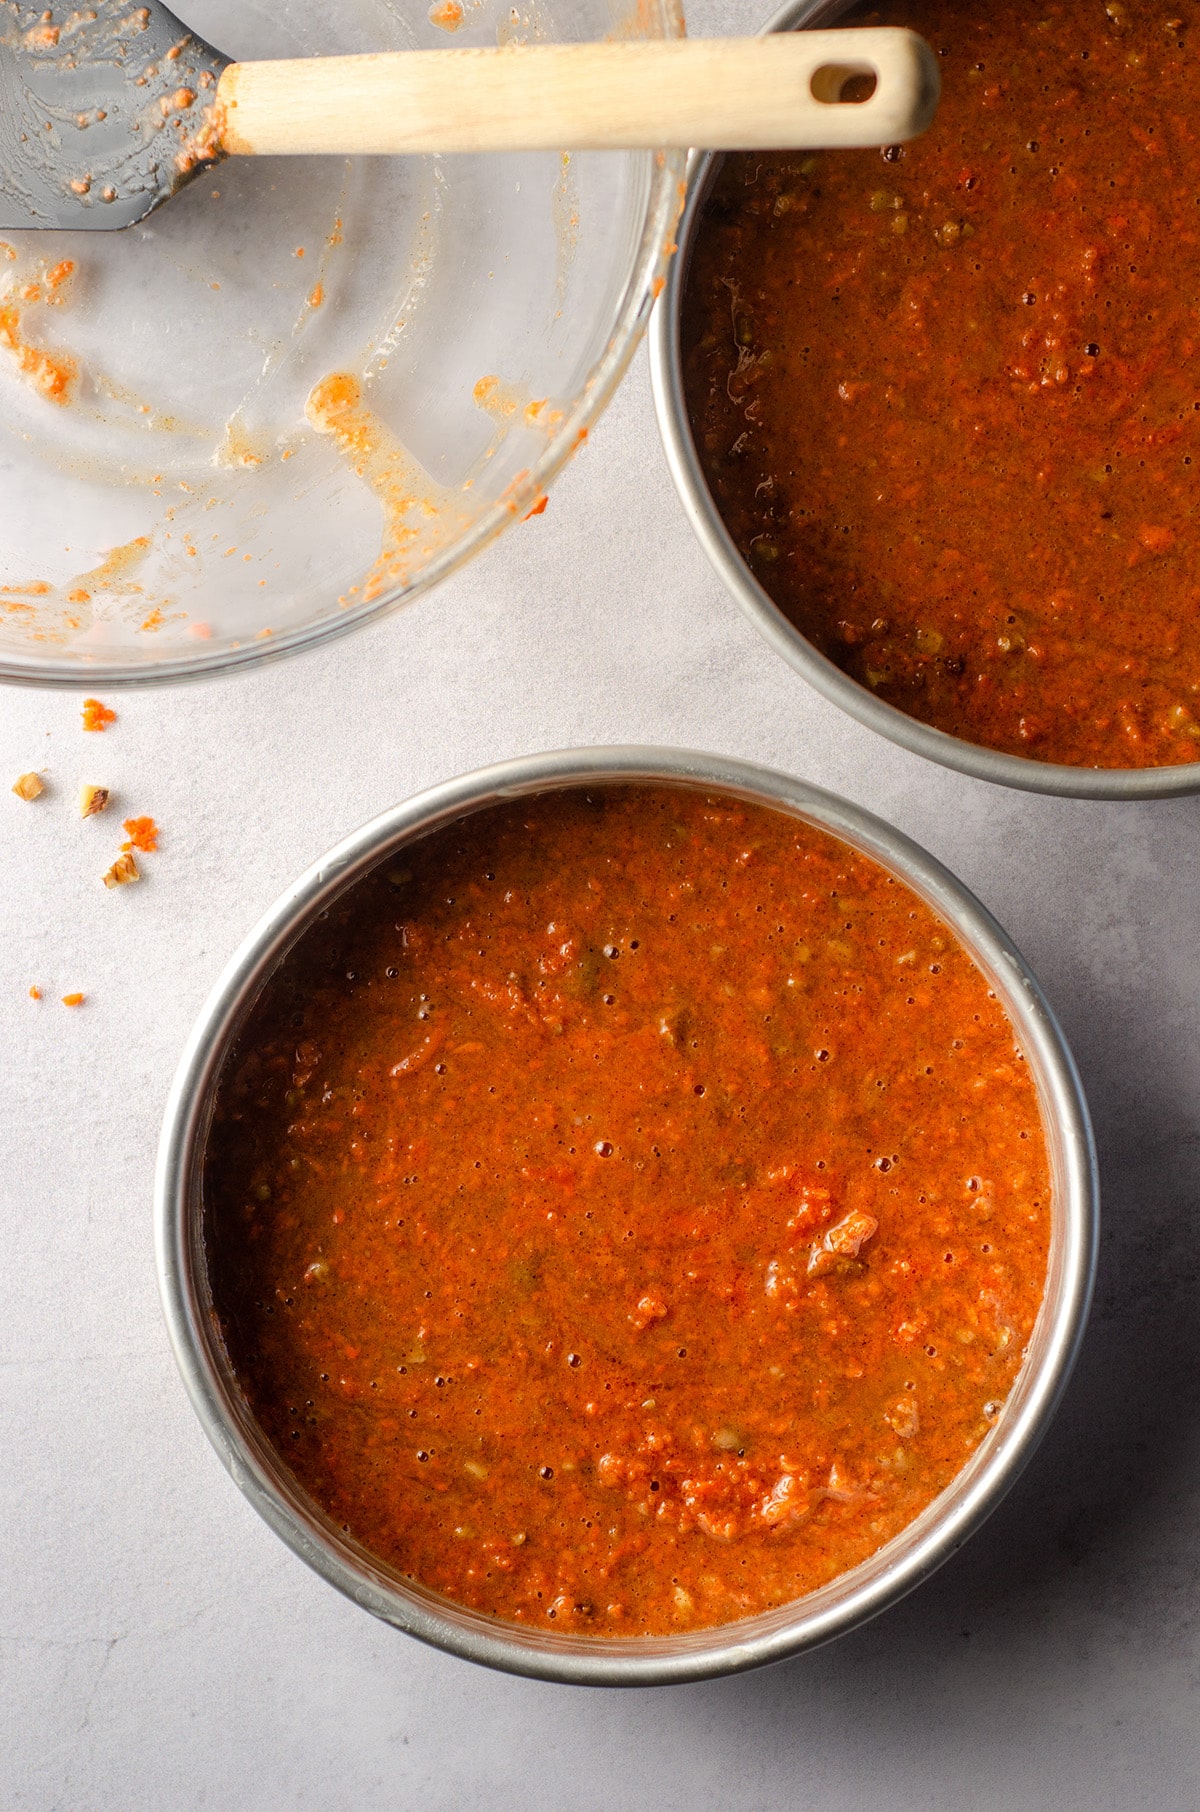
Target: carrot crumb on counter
[[97, 716], [123, 872], [29, 786], [142, 834], [92, 800], [73, 1000], [35, 993]]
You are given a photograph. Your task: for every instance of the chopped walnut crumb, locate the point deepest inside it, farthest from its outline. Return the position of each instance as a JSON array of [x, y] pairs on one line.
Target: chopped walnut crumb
[[29, 786], [97, 716], [123, 871], [92, 799], [35, 993], [73, 1000], [142, 834]]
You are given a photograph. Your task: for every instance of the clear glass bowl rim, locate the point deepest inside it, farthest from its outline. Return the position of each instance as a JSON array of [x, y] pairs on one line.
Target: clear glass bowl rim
[[655, 248]]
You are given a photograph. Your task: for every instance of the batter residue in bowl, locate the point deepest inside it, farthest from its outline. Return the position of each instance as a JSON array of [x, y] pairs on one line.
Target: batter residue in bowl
[[946, 398], [627, 1210], [416, 510], [51, 374]]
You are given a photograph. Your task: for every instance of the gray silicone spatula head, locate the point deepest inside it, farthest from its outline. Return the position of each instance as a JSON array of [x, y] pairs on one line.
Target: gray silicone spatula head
[[105, 111]]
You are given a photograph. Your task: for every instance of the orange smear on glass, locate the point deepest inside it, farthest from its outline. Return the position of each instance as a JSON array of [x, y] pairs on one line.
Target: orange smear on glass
[[52, 375], [410, 499]]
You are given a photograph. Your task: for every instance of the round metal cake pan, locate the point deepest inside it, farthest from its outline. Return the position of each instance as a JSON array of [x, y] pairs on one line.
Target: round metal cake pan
[[847, 1601], [702, 512]]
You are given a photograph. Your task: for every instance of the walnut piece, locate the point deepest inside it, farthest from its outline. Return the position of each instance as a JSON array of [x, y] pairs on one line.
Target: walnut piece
[[28, 787], [123, 871], [92, 799]]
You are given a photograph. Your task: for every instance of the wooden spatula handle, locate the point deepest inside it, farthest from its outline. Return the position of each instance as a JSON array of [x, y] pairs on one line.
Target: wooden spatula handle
[[780, 92]]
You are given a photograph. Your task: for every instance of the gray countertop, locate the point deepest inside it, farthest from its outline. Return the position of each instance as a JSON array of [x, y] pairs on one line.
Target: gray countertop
[[159, 1648]]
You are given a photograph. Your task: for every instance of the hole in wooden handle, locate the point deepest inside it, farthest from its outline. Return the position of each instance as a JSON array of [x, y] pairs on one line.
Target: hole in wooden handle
[[843, 84]]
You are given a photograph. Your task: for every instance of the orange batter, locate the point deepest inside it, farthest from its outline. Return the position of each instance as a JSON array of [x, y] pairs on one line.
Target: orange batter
[[627, 1210], [946, 397]]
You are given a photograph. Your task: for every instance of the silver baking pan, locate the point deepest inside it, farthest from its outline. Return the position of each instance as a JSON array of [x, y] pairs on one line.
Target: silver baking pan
[[768, 619], [257, 1468]]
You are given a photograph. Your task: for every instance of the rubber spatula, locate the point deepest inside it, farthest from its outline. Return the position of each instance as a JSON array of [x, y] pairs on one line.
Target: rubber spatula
[[108, 109]]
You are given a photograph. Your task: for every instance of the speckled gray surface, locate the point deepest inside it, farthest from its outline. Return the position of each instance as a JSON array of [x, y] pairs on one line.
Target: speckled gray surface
[[159, 1649]]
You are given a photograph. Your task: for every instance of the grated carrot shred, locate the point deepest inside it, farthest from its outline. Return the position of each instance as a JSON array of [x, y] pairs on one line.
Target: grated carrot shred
[[142, 834], [97, 716]]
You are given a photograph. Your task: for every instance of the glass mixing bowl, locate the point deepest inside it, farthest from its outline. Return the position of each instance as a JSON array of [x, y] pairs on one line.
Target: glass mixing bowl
[[307, 389]]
